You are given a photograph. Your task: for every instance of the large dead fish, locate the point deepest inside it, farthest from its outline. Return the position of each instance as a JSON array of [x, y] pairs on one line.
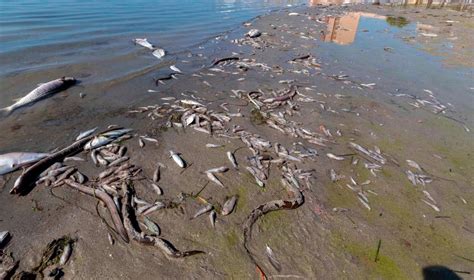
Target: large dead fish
[[12, 161], [41, 92], [144, 43]]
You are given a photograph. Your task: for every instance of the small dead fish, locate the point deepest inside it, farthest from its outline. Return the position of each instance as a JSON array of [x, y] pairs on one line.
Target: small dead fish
[[271, 257], [176, 69], [179, 161], [211, 146], [232, 159], [413, 164], [3, 236], [431, 205], [203, 210], [221, 169], [144, 43], [229, 206], [86, 133], [73, 159], [118, 161], [157, 189], [214, 179], [111, 240], [332, 156], [152, 226], [96, 142], [141, 143], [66, 254], [159, 53], [149, 139], [156, 174], [191, 102], [212, 218]]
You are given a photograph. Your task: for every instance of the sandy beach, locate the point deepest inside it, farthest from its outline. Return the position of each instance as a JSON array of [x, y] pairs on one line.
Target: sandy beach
[[356, 117]]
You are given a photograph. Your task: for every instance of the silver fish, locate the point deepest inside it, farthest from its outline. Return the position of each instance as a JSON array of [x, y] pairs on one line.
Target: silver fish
[[271, 257], [3, 236], [203, 210], [157, 189], [179, 161], [176, 69], [41, 92], [212, 218], [96, 142], [159, 53], [232, 159], [66, 254], [12, 161], [213, 145], [214, 179], [332, 156], [86, 133], [144, 43], [156, 174], [229, 206], [220, 169]]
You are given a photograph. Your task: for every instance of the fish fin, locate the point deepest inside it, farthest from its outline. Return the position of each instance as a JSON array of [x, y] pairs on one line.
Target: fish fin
[[5, 112]]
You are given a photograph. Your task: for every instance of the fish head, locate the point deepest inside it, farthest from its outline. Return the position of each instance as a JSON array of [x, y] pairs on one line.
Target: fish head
[[69, 81]]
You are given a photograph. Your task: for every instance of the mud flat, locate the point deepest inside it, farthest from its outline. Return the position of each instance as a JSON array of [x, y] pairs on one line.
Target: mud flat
[[366, 153]]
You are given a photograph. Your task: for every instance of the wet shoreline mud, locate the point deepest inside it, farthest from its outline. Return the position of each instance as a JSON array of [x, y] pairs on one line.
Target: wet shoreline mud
[[364, 156]]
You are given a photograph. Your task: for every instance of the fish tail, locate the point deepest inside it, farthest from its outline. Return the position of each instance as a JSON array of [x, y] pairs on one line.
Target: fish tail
[[5, 112]]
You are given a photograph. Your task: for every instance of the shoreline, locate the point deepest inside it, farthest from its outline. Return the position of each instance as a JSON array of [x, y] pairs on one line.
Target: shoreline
[[332, 234]]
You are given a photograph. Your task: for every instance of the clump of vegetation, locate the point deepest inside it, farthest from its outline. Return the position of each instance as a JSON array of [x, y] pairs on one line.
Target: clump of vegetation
[[256, 117], [397, 21]]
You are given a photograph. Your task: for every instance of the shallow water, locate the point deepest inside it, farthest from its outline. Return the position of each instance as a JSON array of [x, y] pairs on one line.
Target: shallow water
[[36, 35]]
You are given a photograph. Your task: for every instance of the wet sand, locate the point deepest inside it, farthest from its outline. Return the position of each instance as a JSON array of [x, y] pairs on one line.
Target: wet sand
[[332, 235]]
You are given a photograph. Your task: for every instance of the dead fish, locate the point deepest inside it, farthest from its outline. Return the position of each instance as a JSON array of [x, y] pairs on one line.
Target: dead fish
[[158, 205], [97, 141], [220, 169], [144, 43], [232, 159], [191, 102], [66, 254], [159, 53], [179, 161], [214, 179], [332, 156], [152, 226], [253, 33], [414, 164], [101, 160], [176, 69], [12, 161], [149, 139], [431, 205], [157, 189], [111, 240], [203, 210], [141, 143], [118, 161], [271, 257], [3, 236], [86, 133], [229, 206], [156, 174], [73, 159], [212, 218], [41, 92], [211, 146]]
